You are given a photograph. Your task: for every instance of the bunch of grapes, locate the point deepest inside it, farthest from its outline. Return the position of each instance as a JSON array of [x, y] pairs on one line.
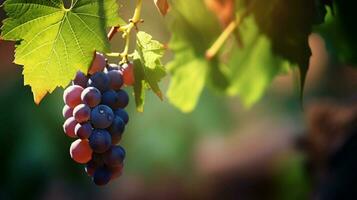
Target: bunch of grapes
[[95, 114]]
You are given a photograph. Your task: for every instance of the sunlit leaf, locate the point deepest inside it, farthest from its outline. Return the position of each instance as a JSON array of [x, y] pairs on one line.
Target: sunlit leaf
[[56, 41]]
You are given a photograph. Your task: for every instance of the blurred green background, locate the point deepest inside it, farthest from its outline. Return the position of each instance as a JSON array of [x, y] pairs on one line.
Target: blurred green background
[[219, 151]]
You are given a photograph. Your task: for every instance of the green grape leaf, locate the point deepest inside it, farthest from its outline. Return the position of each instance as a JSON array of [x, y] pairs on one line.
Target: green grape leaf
[[148, 69], [193, 30], [56, 42], [188, 80], [253, 68], [245, 70]]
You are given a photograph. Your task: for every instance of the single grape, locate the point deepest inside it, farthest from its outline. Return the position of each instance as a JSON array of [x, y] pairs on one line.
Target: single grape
[[112, 66], [116, 79], [82, 113], [80, 151], [91, 96], [116, 171], [122, 114], [81, 79], [123, 99], [100, 140], [69, 126], [98, 64], [96, 162], [72, 95], [67, 112], [83, 131], [102, 116], [128, 73], [100, 80], [116, 129], [114, 156], [101, 176], [111, 99], [90, 168]]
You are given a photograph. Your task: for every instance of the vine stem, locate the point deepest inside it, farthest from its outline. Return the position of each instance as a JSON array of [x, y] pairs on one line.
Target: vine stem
[[126, 30], [217, 45]]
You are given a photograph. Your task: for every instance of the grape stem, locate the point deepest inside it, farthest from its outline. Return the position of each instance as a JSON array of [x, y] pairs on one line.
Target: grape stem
[[126, 30], [217, 45]]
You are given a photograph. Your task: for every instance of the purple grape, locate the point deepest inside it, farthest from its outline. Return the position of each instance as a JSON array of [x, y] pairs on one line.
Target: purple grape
[[91, 96], [100, 80], [102, 116], [83, 131], [123, 99], [102, 176], [82, 113], [81, 79], [96, 162], [100, 140], [111, 99], [114, 156], [72, 95], [90, 168], [122, 114], [67, 112], [116, 79], [116, 129]]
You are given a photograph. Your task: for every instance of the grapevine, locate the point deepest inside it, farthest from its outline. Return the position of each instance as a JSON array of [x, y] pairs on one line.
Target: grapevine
[[94, 113], [232, 47], [94, 110]]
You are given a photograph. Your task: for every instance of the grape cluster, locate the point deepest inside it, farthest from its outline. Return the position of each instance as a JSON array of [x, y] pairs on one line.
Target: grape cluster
[[94, 113]]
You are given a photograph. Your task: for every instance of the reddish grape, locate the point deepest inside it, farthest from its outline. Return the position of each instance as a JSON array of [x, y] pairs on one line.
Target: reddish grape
[[128, 73], [69, 126], [90, 168], [80, 151], [81, 113], [72, 95], [67, 112], [91, 96], [116, 171], [98, 64]]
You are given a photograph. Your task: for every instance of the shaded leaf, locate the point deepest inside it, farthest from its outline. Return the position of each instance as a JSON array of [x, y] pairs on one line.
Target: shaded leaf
[[253, 68], [339, 32], [287, 24]]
